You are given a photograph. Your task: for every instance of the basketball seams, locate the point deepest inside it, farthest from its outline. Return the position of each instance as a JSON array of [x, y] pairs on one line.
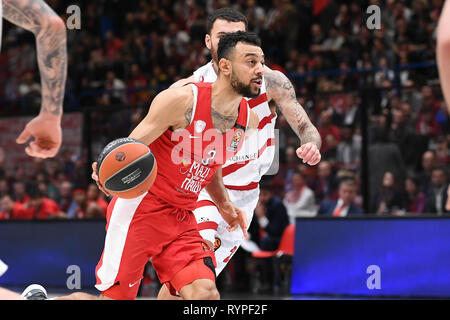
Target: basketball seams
[[130, 164], [112, 172]]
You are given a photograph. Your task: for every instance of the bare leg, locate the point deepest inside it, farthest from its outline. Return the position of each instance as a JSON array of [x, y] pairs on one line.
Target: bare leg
[[9, 295], [200, 289], [164, 294]]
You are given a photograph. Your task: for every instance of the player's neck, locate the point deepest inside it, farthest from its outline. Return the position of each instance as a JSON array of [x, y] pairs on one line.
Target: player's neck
[[224, 98]]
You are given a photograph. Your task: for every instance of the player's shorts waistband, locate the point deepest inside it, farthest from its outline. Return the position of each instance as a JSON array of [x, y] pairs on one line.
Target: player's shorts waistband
[[250, 186]]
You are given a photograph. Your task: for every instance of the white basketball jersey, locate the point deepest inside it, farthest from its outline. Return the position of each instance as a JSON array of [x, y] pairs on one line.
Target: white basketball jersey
[[246, 168]]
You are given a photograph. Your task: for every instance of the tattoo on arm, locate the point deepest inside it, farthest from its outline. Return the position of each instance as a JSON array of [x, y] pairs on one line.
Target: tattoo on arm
[[188, 116], [281, 90], [49, 30]]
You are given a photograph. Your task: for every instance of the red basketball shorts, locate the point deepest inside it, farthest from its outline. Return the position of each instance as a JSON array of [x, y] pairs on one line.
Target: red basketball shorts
[[142, 228]]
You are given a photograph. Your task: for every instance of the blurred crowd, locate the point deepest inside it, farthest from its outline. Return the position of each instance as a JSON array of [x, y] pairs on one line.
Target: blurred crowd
[[354, 83]]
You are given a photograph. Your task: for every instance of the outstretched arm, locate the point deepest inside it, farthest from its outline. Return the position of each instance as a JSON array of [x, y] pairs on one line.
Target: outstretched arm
[[443, 51], [50, 32]]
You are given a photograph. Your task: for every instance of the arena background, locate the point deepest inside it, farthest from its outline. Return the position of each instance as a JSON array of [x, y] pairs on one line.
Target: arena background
[[372, 90]]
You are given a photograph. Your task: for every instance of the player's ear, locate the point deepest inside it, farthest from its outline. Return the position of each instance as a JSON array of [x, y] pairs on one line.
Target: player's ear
[[225, 66], [208, 41]]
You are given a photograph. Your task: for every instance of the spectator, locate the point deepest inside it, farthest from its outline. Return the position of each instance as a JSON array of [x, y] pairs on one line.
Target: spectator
[[116, 87], [4, 187], [349, 150], [325, 128], [65, 200], [79, 210], [344, 206], [383, 156], [428, 164], [41, 207], [95, 200], [12, 210], [387, 198], [326, 185], [414, 200], [300, 201], [19, 193], [437, 192], [273, 219]]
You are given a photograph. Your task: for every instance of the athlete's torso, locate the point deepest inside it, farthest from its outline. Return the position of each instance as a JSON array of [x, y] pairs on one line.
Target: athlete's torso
[[246, 168], [187, 159]]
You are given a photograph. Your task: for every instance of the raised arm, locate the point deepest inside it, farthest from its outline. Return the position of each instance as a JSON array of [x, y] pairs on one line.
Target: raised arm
[[281, 91], [443, 51], [50, 32]]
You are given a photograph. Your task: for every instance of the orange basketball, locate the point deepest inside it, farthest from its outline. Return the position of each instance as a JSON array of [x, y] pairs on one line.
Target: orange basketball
[[126, 168]]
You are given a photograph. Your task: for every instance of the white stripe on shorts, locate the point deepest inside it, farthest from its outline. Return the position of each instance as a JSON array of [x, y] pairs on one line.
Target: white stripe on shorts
[[3, 268], [116, 235]]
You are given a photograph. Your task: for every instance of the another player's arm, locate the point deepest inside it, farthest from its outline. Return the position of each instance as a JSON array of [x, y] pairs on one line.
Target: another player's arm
[[50, 32], [282, 92], [231, 214], [443, 51]]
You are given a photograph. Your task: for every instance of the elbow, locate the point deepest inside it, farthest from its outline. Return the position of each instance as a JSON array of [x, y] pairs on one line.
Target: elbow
[[443, 41]]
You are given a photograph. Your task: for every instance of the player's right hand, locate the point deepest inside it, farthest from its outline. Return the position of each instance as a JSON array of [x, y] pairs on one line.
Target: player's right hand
[[47, 134], [233, 216], [94, 177]]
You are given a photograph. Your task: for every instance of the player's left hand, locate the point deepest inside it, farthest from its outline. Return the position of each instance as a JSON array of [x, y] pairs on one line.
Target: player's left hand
[[309, 153], [233, 216], [47, 133]]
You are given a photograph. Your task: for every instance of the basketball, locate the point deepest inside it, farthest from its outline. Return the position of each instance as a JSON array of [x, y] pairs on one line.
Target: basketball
[[126, 168]]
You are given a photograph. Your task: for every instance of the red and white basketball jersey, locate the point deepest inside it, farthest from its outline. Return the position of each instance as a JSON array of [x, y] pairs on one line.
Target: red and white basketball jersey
[[244, 170], [187, 159]]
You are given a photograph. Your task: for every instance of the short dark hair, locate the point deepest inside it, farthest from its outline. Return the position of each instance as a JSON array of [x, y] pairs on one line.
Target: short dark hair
[[228, 14], [265, 183], [35, 193], [230, 40]]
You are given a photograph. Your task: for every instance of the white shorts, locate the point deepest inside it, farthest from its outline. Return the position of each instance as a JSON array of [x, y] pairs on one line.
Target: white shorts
[[212, 226], [3, 268]]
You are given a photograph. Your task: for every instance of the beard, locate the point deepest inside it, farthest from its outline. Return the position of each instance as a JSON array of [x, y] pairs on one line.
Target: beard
[[243, 89]]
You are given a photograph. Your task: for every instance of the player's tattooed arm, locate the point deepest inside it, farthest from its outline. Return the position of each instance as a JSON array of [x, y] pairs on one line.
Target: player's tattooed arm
[[50, 32], [281, 91]]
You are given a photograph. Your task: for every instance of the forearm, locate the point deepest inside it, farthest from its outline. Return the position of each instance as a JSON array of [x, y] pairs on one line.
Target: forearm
[[50, 32], [443, 51], [282, 92], [216, 189]]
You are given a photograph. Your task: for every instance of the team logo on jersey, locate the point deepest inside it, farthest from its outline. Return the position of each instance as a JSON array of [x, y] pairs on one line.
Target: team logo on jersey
[[217, 243], [235, 140], [199, 126]]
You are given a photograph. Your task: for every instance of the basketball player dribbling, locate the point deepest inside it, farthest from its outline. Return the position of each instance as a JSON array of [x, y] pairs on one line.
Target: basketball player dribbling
[[49, 30], [212, 120], [242, 173], [443, 62]]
